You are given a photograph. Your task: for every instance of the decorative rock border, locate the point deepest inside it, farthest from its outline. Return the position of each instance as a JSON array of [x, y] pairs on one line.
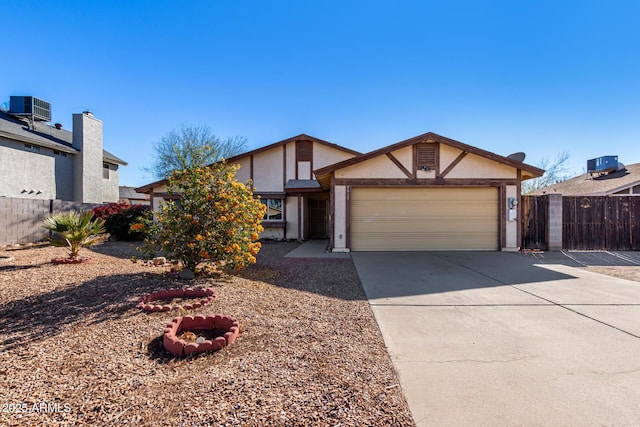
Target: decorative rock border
[[181, 348], [80, 260], [207, 295]]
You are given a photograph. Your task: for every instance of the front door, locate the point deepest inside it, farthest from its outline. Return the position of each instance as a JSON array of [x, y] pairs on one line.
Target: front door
[[318, 219]]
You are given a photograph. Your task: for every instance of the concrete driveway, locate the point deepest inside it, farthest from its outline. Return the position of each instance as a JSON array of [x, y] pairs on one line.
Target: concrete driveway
[[490, 338]]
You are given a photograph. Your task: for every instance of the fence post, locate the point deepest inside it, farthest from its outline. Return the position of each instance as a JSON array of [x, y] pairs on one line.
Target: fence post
[[554, 222]]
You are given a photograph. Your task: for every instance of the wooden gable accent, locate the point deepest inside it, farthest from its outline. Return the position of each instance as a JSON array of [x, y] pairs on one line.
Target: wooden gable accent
[[304, 151], [426, 156]]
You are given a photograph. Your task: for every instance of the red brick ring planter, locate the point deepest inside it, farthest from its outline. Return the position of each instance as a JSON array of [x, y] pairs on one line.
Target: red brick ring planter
[[224, 329], [207, 295], [80, 260]]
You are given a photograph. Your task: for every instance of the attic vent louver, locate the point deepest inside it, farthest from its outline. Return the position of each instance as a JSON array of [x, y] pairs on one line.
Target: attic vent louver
[[30, 106]]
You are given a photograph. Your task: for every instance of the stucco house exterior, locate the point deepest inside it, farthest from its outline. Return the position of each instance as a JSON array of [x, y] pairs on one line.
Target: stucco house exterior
[[425, 193], [40, 161]]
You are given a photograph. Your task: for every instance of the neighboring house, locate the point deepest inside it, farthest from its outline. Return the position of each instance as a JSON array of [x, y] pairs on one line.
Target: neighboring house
[[425, 193], [624, 181], [40, 161], [131, 196]]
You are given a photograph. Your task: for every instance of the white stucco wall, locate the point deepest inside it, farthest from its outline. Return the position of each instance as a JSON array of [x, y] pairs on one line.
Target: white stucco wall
[[378, 167], [340, 218], [512, 223], [291, 160], [473, 166], [324, 155], [405, 157], [272, 233], [244, 173], [291, 204], [267, 170]]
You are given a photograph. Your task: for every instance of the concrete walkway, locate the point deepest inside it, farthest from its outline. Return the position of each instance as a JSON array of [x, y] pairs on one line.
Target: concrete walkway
[[490, 338], [317, 248]]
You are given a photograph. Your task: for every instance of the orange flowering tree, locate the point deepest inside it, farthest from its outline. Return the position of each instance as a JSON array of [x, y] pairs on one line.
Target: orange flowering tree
[[214, 217]]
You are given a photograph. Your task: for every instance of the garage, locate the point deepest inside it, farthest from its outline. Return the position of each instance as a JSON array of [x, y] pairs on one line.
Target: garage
[[414, 219]]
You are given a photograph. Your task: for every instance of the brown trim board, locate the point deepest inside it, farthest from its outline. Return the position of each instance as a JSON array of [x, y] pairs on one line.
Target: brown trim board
[[502, 217], [455, 182], [453, 164], [399, 165]]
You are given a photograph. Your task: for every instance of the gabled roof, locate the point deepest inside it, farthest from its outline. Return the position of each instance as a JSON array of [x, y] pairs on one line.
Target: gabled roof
[[586, 185], [323, 174], [131, 194], [44, 135], [111, 158], [300, 137]]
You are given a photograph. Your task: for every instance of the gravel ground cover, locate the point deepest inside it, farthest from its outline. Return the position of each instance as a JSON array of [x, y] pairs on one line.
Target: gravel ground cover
[[75, 350], [622, 272]]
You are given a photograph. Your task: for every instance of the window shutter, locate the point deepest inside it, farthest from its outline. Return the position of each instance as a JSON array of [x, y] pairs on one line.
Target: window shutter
[[426, 155]]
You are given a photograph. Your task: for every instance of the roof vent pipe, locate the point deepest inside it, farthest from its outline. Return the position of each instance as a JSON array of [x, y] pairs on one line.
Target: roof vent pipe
[[58, 126]]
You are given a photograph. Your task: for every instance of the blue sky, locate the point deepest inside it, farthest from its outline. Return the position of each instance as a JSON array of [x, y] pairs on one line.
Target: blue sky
[[534, 76]]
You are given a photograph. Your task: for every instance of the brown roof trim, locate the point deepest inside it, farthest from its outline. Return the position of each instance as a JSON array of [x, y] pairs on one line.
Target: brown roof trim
[[429, 137], [147, 188], [302, 136]]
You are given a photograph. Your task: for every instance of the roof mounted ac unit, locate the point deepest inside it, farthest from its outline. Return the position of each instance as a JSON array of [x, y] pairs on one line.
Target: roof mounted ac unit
[[30, 106]]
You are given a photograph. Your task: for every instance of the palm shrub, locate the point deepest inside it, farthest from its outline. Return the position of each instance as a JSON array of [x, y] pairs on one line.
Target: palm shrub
[[74, 230]]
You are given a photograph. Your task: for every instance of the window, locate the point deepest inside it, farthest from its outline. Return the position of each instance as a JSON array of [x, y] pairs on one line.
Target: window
[[105, 170], [426, 156], [59, 153], [274, 209], [32, 147]]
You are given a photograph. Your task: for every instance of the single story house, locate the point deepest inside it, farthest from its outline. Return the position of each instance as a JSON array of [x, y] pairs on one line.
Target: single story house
[[131, 196], [623, 181], [425, 193], [40, 161]]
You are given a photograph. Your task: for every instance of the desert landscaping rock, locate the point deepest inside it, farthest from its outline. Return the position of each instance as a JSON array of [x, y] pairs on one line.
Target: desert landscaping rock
[[186, 274], [160, 260], [309, 353]]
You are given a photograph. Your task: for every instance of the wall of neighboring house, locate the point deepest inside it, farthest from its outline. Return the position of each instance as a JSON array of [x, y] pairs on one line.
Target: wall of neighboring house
[[110, 190], [87, 173], [629, 191], [33, 172]]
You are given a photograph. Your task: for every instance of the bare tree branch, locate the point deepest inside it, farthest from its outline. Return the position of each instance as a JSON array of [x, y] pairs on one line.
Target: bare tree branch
[[555, 171], [191, 146]]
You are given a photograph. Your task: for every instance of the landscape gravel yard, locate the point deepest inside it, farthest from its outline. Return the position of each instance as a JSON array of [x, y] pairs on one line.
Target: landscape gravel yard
[[75, 350]]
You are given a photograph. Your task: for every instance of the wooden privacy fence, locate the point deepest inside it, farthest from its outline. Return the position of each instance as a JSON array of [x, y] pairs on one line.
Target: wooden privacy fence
[[588, 222]]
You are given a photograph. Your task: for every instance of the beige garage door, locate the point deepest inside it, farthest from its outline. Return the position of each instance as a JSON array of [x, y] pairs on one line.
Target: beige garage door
[[410, 219]]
